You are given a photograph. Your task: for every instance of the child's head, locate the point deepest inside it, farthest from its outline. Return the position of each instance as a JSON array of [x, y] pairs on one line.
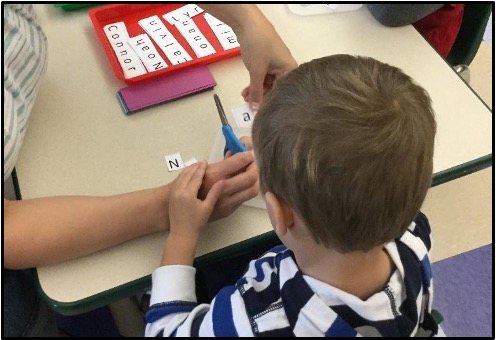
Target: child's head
[[347, 142]]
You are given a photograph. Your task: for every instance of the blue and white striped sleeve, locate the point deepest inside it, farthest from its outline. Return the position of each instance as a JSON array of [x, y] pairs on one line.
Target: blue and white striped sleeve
[[423, 230], [172, 299], [174, 310]]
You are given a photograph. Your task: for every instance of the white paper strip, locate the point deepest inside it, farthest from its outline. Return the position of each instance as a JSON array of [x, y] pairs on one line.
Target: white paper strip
[[147, 52], [223, 32], [130, 62], [116, 33], [182, 13], [243, 115], [132, 65], [190, 161], [165, 40], [156, 29], [195, 38], [174, 162]]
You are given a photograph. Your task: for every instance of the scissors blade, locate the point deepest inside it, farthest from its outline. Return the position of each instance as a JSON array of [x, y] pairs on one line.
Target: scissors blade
[[220, 109]]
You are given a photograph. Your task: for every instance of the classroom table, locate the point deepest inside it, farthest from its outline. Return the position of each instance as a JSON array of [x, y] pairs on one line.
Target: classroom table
[[79, 142]]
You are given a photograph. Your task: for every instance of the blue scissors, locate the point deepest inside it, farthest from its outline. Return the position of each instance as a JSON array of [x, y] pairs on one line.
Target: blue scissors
[[232, 141]]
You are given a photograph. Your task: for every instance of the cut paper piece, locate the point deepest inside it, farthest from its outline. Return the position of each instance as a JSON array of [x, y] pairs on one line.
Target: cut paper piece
[[131, 64], [182, 13], [217, 154], [190, 161], [243, 116], [174, 162], [175, 52], [147, 52], [128, 59], [195, 38], [165, 40], [223, 32], [116, 34]]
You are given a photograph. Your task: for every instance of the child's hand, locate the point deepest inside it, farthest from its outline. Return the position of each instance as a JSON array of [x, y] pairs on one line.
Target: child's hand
[[240, 174], [246, 140], [188, 214]]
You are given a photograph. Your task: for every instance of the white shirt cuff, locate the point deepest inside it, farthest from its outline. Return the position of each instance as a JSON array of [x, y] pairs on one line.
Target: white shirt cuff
[[171, 283]]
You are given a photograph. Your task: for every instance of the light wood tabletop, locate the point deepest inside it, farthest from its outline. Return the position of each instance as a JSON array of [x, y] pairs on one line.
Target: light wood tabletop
[[80, 142]]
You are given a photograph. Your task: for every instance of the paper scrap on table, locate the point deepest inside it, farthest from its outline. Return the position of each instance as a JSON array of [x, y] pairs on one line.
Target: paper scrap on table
[[190, 161], [243, 115], [174, 162]]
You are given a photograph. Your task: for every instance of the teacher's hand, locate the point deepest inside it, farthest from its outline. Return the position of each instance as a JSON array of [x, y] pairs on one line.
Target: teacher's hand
[[240, 176]]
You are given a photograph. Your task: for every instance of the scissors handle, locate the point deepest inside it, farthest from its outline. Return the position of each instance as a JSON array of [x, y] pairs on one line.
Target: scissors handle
[[232, 142]]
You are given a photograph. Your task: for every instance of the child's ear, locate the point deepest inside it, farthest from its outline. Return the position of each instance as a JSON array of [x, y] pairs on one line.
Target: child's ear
[[281, 215]]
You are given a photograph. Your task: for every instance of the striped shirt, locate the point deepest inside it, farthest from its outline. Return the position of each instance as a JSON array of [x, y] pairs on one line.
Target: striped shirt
[[24, 52], [274, 298]]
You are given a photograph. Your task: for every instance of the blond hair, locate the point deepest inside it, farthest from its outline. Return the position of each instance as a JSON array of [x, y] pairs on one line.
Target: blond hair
[[347, 142]]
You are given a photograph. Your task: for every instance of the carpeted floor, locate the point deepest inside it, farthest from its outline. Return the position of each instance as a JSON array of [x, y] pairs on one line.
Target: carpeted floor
[[463, 293]]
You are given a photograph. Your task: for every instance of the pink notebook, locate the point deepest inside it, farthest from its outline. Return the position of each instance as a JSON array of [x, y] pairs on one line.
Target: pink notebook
[[165, 89]]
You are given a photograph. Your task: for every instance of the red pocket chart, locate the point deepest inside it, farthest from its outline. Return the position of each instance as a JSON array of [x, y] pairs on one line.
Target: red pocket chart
[[131, 14]]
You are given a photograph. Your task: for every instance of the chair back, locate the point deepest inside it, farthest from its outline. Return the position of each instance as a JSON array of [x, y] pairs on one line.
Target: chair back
[[468, 40]]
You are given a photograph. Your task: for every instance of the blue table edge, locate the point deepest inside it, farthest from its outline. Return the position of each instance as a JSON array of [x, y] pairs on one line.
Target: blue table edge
[[143, 283]]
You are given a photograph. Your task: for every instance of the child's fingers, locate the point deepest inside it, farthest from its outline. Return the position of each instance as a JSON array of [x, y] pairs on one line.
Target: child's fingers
[[185, 176], [196, 178], [242, 180], [242, 196], [246, 140], [214, 194]]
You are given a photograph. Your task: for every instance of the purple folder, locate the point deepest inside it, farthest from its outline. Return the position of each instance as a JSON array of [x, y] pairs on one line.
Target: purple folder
[[165, 89]]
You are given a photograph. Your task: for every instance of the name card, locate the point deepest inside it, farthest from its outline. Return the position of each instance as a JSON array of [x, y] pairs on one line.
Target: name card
[[147, 52], [174, 162], [182, 13], [165, 40], [129, 61], [223, 32], [195, 38], [243, 115]]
